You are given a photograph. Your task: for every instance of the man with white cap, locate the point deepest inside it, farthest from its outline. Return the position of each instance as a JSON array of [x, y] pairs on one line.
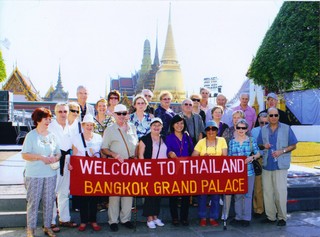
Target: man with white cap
[[119, 142], [272, 101]]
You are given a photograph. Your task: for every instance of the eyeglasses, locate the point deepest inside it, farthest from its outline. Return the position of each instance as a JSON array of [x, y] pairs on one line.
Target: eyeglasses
[[121, 113], [211, 129], [114, 98], [197, 100], [263, 123], [147, 96], [241, 128], [140, 103], [74, 111], [62, 111], [273, 115], [186, 104], [166, 98]]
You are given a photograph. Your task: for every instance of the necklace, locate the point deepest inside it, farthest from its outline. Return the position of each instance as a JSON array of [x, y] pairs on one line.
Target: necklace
[[180, 144], [214, 145]]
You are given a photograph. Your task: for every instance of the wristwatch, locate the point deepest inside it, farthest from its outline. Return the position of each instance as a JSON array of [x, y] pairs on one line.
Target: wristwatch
[[284, 151]]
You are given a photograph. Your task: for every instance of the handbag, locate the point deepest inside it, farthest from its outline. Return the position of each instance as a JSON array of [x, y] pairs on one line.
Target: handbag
[[256, 165], [55, 165]]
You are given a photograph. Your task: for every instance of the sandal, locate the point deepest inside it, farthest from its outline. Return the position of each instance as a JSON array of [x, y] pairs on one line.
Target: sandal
[[55, 228], [69, 224], [49, 232]]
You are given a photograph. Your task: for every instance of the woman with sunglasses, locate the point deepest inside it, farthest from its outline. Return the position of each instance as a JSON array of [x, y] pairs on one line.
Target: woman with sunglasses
[[87, 144], [196, 108], [113, 99], [243, 145], [211, 145], [140, 118], [74, 117], [229, 133], [179, 144]]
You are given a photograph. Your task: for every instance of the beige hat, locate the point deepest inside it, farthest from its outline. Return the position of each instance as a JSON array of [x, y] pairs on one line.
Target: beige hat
[[88, 118], [120, 108]]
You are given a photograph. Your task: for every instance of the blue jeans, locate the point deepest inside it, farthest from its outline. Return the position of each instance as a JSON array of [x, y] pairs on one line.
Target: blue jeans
[[214, 208]]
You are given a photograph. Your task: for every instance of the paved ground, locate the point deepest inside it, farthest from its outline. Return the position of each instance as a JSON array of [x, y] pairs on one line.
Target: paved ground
[[299, 224]]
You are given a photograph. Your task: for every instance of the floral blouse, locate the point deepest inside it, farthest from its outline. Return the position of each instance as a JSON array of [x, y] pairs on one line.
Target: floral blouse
[[143, 127], [100, 127]]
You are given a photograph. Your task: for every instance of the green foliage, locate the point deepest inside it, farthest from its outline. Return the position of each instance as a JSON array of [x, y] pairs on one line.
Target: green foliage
[[289, 53], [3, 74]]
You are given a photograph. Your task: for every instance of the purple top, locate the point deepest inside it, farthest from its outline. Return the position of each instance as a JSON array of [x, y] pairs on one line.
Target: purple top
[[181, 148]]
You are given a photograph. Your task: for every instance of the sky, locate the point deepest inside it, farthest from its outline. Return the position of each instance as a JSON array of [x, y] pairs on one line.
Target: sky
[[94, 41]]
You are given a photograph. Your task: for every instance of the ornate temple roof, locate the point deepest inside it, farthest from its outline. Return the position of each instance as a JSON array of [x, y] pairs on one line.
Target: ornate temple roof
[[22, 87]]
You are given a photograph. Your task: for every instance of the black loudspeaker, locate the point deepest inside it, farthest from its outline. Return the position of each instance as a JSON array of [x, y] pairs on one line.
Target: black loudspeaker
[[6, 105]]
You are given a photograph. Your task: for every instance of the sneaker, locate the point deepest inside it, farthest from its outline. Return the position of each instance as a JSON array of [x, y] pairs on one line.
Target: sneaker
[[158, 222], [151, 224], [213, 222], [203, 222]]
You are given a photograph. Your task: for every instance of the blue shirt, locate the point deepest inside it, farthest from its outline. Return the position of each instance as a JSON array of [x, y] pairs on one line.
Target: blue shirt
[[272, 163], [166, 116], [35, 143], [244, 149], [143, 127]]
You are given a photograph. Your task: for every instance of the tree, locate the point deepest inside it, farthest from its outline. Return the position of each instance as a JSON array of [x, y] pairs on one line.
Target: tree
[[3, 74], [289, 53]]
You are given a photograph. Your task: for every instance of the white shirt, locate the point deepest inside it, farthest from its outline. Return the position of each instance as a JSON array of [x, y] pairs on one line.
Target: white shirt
[[63, 135], [93, 146]]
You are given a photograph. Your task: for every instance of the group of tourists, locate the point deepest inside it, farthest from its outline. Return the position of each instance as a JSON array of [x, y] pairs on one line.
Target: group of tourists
[[111, 130]]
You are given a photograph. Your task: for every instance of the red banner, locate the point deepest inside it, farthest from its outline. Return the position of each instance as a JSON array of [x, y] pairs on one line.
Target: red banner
[[158, 177]]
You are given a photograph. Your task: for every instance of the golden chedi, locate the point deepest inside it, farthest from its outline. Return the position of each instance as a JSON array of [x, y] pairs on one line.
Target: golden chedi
[[169, 76]]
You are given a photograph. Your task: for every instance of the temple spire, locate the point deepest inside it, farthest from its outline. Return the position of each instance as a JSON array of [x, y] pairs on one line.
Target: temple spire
[[156, 54], [59, 83], [169, 76]]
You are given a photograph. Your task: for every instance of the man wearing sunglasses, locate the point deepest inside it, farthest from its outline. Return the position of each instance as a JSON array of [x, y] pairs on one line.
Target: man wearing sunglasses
[[63, 132], [272, 101], [194, 121], [119, 142], [279, 141]]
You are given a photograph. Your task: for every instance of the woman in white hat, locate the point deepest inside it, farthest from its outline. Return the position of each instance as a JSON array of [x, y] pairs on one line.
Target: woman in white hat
[[152, 146], [87, 144]]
